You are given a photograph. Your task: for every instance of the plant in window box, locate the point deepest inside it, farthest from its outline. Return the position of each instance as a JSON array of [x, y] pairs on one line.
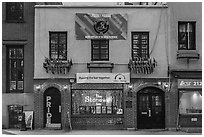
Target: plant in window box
[[142, 65], [57, 66]]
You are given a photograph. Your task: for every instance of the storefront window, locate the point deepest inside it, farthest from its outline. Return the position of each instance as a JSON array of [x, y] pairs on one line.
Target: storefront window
[[96, 102], [190, 102]]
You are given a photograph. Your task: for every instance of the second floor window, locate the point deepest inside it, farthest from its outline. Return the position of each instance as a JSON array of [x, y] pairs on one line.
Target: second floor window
[[15, 67], [186, 36], [140, 45], [58, 45], [14, 11], [100, 50]]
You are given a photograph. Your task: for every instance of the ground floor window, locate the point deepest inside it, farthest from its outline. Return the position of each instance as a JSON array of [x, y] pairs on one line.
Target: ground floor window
[[15, 115], [93, 102], [190, 102]]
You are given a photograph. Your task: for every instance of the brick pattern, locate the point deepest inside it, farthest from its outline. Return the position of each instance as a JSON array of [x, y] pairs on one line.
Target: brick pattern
[[39, 103], [95, 123], [130, 114]]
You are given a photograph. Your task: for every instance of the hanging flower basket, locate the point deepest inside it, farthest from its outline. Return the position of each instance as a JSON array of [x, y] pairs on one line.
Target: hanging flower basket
[[57, 66], [142, 65]]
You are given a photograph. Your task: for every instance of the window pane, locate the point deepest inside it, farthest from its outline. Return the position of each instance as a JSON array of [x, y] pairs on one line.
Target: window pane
[[58, 45], [186, 36], [14, 11], [12, 53], [15, 69], [13, 85], [62, 39], [19, 53], [96, 102], [100, 50], [190, 102], [20, 85], [54, 39], [140, 45]]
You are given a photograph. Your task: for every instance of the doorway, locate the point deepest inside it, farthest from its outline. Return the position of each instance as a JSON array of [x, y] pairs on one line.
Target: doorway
[[151, 108], [52, 108]]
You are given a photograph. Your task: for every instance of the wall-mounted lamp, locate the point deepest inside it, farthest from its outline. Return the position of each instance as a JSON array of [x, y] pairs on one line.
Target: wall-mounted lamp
[[65, 87], [166, 85], [71, 80], [38, 87], [130, 86], [159, 83]]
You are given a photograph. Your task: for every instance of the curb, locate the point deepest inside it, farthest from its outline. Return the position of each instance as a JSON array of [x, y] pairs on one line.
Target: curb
[[191, 130], [8, 132]]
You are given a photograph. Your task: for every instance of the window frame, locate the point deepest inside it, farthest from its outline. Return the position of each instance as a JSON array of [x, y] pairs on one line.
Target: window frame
[[8, 73], [188, 37], [10, 18], [58, 33], [140, 45], [99, 114], [100, 50], [186, 91]]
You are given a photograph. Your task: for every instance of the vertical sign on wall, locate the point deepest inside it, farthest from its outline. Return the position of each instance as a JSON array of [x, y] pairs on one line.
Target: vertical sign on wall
[[48, 105]]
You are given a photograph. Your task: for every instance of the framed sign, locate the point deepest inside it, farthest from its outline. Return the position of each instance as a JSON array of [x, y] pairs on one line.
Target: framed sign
[[29, 119], [103, 77], [100, 26]]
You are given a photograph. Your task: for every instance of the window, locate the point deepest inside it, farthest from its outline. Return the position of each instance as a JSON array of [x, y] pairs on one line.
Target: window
[[93, 102], [140, 45], [58, 45], [15, 75], [100, 50], [190, 102], [15, 115], [14, 11], [186, 36]]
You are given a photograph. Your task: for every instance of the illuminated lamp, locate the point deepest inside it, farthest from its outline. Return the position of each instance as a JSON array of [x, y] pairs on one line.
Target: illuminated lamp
[[65, 87], [159, 83], [38, 87], [130, 86]]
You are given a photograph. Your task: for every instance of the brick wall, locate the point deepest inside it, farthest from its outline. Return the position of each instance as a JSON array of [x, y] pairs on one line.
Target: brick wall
[[39, 103]]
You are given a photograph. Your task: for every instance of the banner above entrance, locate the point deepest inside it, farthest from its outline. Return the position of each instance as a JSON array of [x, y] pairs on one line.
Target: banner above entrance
[[101, 26], [103, 77]]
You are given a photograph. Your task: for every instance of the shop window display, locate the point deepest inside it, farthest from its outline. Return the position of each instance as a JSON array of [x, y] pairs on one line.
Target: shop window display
[[96, 102], [190, 102]]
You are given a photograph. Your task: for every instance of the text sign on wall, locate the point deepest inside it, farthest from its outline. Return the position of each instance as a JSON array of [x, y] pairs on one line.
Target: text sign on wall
[[189, 83], [103, 77], [100, 26]]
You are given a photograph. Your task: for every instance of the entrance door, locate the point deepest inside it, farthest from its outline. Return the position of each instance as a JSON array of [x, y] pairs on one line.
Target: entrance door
[[52, 108], [151, 109]]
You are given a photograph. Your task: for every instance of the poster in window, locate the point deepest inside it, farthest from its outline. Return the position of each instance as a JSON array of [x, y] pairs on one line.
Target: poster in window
[[98, 109], [13, 85], [109, 110], [29, 119], [20, 85], [103, 109]]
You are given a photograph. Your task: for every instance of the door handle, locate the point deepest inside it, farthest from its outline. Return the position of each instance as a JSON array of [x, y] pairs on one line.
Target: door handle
[[149, 112], [60, 109]]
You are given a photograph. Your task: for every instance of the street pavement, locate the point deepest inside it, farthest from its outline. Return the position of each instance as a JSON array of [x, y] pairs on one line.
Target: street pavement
[[94, 132]]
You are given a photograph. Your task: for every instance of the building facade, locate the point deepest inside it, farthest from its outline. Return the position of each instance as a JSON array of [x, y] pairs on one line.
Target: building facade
[[118, 66], [17, 60], [186, 61], [102, 67]]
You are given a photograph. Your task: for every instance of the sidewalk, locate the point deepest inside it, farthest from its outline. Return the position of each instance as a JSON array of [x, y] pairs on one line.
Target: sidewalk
[[94, 132]]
